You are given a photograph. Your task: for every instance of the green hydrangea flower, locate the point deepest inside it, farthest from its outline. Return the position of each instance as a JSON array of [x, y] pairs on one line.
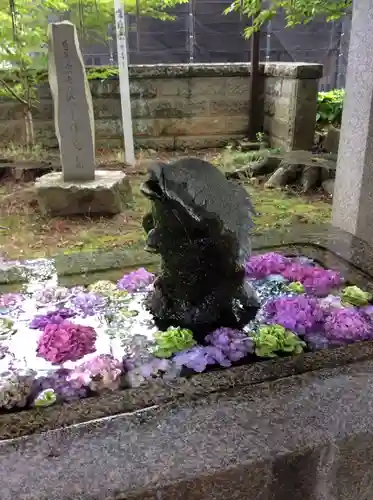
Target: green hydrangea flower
[[171, 341], [104, 287], [270, 340], [296, 287], [7, 328], [45, 398], [355, 296]]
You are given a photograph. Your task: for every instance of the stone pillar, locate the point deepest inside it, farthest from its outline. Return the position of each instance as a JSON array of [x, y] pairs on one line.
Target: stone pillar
[[353, 191], [73, 108]]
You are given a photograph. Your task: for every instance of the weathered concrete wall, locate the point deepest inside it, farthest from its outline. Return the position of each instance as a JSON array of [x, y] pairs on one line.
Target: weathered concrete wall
[[198, 105]]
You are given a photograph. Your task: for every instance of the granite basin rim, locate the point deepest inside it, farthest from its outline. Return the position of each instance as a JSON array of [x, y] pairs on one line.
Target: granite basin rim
[[38, 420]]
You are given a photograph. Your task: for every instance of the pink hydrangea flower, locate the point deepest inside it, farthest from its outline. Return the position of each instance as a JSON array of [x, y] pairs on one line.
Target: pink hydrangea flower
[[10, 299], [100, 373], [316, 280], [61, 342]]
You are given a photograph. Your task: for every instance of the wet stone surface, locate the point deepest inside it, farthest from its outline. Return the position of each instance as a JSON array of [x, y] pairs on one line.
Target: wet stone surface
[[199, 226]]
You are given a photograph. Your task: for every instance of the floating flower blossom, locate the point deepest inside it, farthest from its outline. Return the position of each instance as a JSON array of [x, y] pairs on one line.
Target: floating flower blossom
[[100, 373], [136, 280], [316, 280], [61, 342], [55, 316], [347, 325], [271, 340], [64, 389], [295, 287], [300, 314], [367, 311], [317, 341], [15, 388], [140, 373], [9, 300], [87, 303], [46, 398], [105, 287], [234, 344], [47, 294], [7, 328], [330, 302], [171, 341], [199, 357], [355, 296], [261, 266]]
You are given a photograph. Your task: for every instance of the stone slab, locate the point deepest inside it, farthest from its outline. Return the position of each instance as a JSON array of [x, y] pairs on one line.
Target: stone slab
[[73, 108], [106, 195], [305, 437]]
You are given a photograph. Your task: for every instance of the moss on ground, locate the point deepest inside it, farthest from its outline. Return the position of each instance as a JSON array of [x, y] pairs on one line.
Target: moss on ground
[[29, 234]]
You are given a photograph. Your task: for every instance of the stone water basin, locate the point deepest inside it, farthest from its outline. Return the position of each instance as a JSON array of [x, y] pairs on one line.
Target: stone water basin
[[73, 354]]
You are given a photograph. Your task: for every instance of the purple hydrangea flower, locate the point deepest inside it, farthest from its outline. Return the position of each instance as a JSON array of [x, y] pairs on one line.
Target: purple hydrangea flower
[[331, 302], [300, 314], [234, 344], [347, 325], [56, 316], [66, 390], [261, 266], [199, 357], [136, 280], [317, 341], [87, 303], [139, 371]]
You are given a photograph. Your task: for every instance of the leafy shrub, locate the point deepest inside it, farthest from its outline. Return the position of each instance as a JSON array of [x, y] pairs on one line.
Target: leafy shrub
[[329, 107]]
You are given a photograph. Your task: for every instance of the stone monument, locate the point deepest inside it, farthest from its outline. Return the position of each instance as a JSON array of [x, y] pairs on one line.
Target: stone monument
[[353, 191], [80, 189], [200, 227]]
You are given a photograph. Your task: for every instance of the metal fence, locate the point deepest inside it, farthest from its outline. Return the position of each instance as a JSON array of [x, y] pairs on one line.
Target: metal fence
[[202, 33]]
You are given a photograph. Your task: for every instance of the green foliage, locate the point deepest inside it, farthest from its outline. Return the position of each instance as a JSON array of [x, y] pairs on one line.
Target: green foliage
[[355, 296], [23, 31], [330, 107], [270, 340], [171, 341], [296, 11]]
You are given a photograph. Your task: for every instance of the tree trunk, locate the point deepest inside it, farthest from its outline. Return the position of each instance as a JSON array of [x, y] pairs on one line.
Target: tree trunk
[[29, 127]]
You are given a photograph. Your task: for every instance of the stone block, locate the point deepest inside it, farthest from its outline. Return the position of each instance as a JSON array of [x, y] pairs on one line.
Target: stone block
[[107, 194], [229, 107], [238, 86], [278, 107], [205, 141], [178, 87], [331, 143], [208, 86], [145, 89]]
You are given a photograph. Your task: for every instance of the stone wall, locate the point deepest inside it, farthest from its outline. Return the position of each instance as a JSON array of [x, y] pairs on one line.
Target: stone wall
[[198, 105]]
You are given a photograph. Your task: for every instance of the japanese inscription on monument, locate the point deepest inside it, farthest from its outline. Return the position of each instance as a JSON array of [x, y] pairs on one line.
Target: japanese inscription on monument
[[73, 108]]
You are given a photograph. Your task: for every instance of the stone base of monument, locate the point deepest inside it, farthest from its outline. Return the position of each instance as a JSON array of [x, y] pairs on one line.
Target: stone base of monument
[[107, 194]]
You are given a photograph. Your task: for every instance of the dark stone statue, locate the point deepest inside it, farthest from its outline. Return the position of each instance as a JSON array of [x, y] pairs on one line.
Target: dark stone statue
[[199, 225]]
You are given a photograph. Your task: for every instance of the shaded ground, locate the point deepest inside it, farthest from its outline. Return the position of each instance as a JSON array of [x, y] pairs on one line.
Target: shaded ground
[[29, 233]]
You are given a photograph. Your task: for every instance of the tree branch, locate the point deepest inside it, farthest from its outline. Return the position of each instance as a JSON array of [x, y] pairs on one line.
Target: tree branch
[[11, 91]]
